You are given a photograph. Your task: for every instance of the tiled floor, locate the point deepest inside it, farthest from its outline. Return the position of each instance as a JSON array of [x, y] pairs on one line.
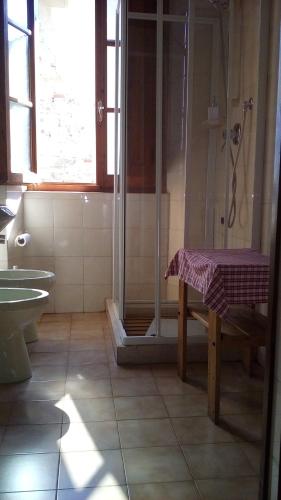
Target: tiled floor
[[85, 428]]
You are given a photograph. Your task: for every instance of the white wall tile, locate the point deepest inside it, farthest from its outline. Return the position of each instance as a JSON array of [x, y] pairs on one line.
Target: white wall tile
[[42, 242], [97, 242], [97, 270], [38, 213], [68, 298], [68, 242], [69, 270], [98, 210], [67, 213], [94, 297], [3, 264], [43, 263]]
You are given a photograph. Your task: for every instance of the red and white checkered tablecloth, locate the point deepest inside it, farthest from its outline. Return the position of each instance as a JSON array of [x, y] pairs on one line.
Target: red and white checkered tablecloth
[[224, 277]]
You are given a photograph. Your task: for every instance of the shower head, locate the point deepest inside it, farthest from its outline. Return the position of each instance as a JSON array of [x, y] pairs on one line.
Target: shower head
[[220, 4]]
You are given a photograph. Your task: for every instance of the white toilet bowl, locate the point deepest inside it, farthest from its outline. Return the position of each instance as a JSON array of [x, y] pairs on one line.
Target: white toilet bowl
[[18, 307], [27, 278]]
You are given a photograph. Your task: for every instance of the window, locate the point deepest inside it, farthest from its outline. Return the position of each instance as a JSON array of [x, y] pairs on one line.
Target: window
[[17, 91], [68, 59]]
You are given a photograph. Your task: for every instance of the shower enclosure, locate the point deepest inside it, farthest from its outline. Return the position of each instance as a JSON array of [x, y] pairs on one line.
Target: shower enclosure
[[188, 147]]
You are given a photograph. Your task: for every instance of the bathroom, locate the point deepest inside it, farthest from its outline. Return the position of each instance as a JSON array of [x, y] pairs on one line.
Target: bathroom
[[115, 194]]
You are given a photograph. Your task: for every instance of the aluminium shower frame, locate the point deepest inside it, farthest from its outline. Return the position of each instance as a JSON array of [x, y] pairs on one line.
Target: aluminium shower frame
[[119, 197], [119, 264]]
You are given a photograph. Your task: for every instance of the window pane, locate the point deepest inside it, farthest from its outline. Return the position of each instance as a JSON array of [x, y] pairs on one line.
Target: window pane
[[111, 77], [17, 12], [176, 7], [66, 133], [111, 18], [20, 138], [110, 143], [148, 6], [18, 64]]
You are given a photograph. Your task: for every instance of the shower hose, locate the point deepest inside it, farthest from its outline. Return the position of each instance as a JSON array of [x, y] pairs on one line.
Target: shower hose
[[232, 209]]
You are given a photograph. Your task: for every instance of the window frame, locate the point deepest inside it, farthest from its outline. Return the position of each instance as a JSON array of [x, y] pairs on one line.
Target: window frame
[[6, 175], [104, 182]]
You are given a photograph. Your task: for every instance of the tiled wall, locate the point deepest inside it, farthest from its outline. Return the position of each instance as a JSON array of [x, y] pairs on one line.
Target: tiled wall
[[140, 245], [72, 236], [12, 197], [243, 83]]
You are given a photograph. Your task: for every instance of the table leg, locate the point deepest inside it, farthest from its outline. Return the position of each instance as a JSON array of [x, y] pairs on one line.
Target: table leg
[[214, 365], [182, 341]]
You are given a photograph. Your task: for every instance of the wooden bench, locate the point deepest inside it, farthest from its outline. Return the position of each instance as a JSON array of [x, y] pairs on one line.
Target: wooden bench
[[243, 328]]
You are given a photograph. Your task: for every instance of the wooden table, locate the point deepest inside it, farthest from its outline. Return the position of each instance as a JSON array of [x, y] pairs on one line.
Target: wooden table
[[224, 277]]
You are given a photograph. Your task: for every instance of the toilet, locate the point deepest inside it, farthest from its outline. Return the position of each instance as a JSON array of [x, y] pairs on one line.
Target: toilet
[[28, 278], [18, 308]]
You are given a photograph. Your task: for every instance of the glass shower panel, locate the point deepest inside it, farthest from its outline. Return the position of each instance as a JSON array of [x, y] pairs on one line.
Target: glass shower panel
[[140, 163], [173, 151]]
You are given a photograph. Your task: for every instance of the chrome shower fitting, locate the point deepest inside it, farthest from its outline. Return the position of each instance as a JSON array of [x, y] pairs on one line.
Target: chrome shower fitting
[[248, 105], [223, 4]]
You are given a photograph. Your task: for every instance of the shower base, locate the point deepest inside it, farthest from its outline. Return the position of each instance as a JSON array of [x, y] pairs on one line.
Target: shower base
[[142, 346]]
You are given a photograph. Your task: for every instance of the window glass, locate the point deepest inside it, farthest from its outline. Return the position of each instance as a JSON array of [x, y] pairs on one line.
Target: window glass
[[66, 92], [111, 18], [110, 143], [110, 77], [176, 7], [20, 138], [18, 64], [148, 6], [17, 12]]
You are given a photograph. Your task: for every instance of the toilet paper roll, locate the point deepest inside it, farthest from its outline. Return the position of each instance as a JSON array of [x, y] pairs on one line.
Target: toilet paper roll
[[22, 240]]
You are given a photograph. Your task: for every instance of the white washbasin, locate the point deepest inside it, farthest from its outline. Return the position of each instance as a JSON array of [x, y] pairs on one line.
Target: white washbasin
[[27, 278], [19, 307]]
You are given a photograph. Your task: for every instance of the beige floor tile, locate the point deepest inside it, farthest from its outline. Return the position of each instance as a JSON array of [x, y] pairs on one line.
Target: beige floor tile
[[52, 358], [103, 493], [40, 472], [232, 489], [88, 372], [87, 345], [2, 430], [164, 370], [129, 371], [184, 490], [87, 334], [30, 439], [35, 412], [80, 358], [56, 318], [91, 468], [241, 402], [156, 432], [243, 427], [5, 410], [81, 389], [89, 436], [196, 430], [30, 390], [174, 386], [30, 495], [86, 410], [49, 345], [187, 405], [49, 373], [139, 407], [134, 387], [217, 461], [42, 391], [253, 452], [157, 464]]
